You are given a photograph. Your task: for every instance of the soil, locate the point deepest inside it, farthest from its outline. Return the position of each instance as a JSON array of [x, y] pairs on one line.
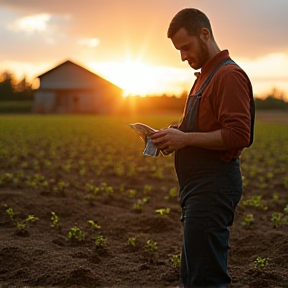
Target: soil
[[43, 257]]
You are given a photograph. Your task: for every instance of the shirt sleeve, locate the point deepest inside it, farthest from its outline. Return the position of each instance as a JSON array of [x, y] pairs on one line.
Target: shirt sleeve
[[233, 111]]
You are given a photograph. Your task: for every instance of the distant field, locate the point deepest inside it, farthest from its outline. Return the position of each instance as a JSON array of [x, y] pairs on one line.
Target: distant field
[[90, 172], [15, 107], [272, 116]]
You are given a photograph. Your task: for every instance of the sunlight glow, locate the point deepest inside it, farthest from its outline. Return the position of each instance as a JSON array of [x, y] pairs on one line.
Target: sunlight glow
[[267, 73], [30, 24], [137, 78], [89, 42]]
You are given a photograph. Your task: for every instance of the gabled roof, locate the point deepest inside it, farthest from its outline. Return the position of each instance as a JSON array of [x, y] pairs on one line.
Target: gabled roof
[[79, 67]]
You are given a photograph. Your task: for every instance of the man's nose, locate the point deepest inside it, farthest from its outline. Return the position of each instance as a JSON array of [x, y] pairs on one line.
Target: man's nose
[[183, 55]]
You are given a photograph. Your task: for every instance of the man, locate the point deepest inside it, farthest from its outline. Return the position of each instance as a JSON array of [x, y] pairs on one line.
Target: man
[[217, 124]]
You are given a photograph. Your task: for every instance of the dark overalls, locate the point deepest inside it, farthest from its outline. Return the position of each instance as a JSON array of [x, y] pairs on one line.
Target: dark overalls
[[210, 190]]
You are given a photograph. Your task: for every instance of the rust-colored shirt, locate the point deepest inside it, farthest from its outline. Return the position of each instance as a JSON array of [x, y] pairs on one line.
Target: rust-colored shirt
[[225, 105]]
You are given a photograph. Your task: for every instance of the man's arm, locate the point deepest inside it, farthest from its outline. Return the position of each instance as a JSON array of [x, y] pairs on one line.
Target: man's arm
[[173, 139]]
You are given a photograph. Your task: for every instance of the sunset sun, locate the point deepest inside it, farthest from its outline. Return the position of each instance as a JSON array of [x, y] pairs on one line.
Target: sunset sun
[[134, 77]]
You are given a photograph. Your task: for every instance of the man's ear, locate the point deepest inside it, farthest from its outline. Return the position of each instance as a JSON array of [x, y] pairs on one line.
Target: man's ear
[[205, 34]]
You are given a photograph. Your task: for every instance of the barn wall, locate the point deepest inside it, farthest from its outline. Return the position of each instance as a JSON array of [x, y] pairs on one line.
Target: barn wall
[[70, 88], [44, 101]]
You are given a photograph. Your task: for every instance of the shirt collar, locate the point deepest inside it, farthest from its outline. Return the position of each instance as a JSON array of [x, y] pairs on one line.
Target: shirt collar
[[213, 62]]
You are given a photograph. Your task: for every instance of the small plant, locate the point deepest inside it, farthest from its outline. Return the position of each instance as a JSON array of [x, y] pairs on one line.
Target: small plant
[[140, 203], [75, 234], [93, 224], [132, 241], [260, 263], [256, 201], [276, 197], [151, 246], [54, 221], [108, 190], [176, 260], [163, 211], [151, 250], [10, 212], [278, 219], [249, 219], [22, 226], [132, 193], [172, 193], [147, 189], [100, 241]]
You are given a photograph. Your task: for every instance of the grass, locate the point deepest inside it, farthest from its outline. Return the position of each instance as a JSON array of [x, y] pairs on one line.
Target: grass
[[15, 107]]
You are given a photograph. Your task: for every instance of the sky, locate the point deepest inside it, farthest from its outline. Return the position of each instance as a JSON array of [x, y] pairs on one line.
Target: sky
[[125, 42]]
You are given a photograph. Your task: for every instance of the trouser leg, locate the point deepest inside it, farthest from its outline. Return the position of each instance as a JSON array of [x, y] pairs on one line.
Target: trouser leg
[[204, 261]]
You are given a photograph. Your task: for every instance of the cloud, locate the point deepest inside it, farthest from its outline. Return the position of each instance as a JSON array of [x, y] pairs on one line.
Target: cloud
[[247, 28], [30, 24]]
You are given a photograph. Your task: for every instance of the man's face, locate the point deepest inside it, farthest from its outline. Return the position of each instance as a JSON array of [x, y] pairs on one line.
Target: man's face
[[192, 49]]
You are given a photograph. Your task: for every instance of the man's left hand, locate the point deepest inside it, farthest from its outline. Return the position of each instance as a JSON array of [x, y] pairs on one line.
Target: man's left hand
[[169, 139]]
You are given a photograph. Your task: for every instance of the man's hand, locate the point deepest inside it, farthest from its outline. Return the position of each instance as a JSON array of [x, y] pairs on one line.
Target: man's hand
[[169, 139]]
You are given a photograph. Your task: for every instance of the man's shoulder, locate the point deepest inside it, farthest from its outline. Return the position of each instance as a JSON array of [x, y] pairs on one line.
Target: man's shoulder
[[230, 71]]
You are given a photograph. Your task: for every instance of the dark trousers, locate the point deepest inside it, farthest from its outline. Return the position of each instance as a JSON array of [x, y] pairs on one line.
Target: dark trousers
[[207, 215]]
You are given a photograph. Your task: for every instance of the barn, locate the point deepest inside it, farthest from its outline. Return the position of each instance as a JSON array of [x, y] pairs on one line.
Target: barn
[[70, 88]]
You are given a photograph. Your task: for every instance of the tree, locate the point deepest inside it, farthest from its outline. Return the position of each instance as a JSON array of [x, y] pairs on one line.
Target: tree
[[7, 84]]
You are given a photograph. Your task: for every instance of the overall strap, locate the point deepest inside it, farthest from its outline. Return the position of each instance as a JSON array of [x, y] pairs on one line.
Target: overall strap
[[189, 121], [210, 76]]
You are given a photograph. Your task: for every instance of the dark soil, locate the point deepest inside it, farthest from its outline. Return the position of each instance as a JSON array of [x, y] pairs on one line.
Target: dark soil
[[46, 257]]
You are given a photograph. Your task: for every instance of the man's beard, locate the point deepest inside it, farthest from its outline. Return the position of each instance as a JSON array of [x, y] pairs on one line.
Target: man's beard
[[203, 55]]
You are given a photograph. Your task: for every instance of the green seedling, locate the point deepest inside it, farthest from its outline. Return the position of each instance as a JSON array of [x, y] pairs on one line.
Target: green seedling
[[93, 224], [60, 186], [140, 203], [163, 211], [276, 197], [151, 250], [151, 246], [132, 241], [172, 194], [10, 212], [256, 201], [278, 219], [22, 226], [147, 189], [176, 260], [132, 193], [91, 188], [54, 221], [100, 241], [75, 234], [260, 263], [108, 190], [249, 219]]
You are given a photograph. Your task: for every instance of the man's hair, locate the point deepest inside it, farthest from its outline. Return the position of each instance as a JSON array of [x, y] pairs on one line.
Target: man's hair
[[192, 20]]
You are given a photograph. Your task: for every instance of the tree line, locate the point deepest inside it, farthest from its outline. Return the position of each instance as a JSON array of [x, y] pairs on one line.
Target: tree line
[[11, 90]]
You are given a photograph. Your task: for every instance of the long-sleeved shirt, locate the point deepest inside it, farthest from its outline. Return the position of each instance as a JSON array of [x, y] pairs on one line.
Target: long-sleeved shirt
[[225, 105]]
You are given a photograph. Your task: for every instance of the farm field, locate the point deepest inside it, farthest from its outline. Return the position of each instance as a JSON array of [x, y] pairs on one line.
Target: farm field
[[80, 206]]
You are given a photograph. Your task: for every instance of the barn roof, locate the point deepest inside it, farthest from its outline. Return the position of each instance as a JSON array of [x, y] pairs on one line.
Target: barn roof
[[80, 69]]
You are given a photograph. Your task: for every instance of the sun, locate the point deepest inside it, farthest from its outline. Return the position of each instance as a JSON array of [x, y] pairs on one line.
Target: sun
[[134, 77]]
